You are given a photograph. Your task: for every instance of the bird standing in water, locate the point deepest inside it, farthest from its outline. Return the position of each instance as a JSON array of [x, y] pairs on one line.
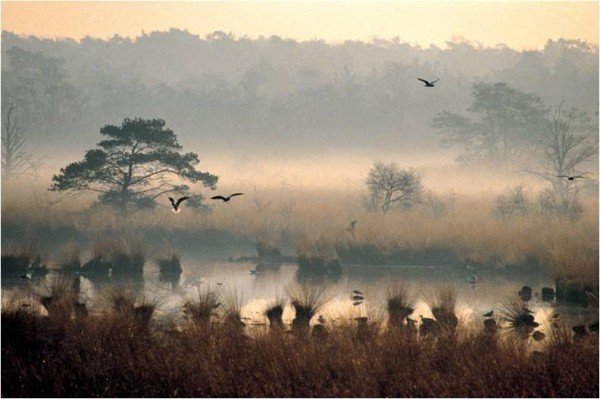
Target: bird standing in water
[[175, 204]]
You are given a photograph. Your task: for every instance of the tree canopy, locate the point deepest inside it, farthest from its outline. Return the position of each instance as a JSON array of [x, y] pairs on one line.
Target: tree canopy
[[137, 162], [503, 126], [389, 185]]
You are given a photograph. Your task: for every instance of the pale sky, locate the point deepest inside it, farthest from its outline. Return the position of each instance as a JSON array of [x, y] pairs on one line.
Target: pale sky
[[521, 25]]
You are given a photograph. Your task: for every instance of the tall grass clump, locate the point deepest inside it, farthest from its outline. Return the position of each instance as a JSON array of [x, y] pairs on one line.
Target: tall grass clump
[[232, 315], [307, 299], [132, 306], [274, 313], [443, 306], [399, 305], [202, 304], [520, 319], [61, 298]]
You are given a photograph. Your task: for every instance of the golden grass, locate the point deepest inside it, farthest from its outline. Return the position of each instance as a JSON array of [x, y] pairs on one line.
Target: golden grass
[[100, 356], [315, 223]]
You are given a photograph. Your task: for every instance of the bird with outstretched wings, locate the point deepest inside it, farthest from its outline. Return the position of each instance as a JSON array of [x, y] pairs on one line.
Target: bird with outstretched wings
[[175, 204], [225, 199], [428, 83]]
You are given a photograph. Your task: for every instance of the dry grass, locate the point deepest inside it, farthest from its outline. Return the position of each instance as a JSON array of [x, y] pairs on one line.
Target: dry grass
[[99, 356], [399, 305], [307, 299], [314, 226], [202, 304]]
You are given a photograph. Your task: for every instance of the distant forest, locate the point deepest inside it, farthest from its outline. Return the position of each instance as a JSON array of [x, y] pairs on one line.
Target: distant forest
[[271, 94]]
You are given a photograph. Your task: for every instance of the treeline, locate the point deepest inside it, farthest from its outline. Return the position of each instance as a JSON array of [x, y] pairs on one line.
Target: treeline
[[272, 93]]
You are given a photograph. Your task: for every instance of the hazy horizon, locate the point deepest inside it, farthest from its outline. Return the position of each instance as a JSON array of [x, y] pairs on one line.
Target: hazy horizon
[[519, 25]]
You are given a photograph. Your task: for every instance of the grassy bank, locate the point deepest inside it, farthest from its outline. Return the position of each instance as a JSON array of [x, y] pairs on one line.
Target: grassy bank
[[106, 355], [316, 225]]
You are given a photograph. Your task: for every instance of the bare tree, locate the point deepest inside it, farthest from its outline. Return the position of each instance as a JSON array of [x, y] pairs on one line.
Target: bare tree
[[16, 161], [567, 143], [389, 185]]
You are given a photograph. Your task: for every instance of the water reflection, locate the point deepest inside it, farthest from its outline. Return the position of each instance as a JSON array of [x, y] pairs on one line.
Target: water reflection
[[267, 288]]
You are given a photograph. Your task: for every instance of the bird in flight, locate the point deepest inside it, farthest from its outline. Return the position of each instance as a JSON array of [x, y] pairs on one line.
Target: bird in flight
[[351, 226], [427, 83], [572, 177], [489, 314], [175, 204], [357, 292], [225, 199]]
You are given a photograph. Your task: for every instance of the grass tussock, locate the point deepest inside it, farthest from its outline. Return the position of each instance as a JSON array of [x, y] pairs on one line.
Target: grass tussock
[[399, 304], [202, 304], [307, 300], [99, 356], [520, 319], [443, 306]]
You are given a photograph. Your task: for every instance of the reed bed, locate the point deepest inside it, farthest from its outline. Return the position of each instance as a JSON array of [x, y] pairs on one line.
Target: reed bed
[[314, 225], [100, 356]]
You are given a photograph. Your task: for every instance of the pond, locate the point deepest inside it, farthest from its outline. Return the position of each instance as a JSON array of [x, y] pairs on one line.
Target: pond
[[253, 286]]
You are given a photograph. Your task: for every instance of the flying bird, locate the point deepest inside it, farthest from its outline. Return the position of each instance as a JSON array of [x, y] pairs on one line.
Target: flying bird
[[225, 199], [572, 177], [351, 226], [357, 292], [358, 298], [175, 204], [489, 314], [427, 83], [357, 303]]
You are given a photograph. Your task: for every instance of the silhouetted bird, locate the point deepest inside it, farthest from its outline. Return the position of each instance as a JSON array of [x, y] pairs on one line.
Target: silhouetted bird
[[357, 303], [219, 283], [572, 177], [175, 204], [358, 298], [352, 225], [357, 292], [427, 83], [489, 314], [225, 199], [253, 272]]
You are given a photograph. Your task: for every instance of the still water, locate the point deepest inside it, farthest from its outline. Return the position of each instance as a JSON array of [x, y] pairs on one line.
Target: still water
[[253, 287]]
